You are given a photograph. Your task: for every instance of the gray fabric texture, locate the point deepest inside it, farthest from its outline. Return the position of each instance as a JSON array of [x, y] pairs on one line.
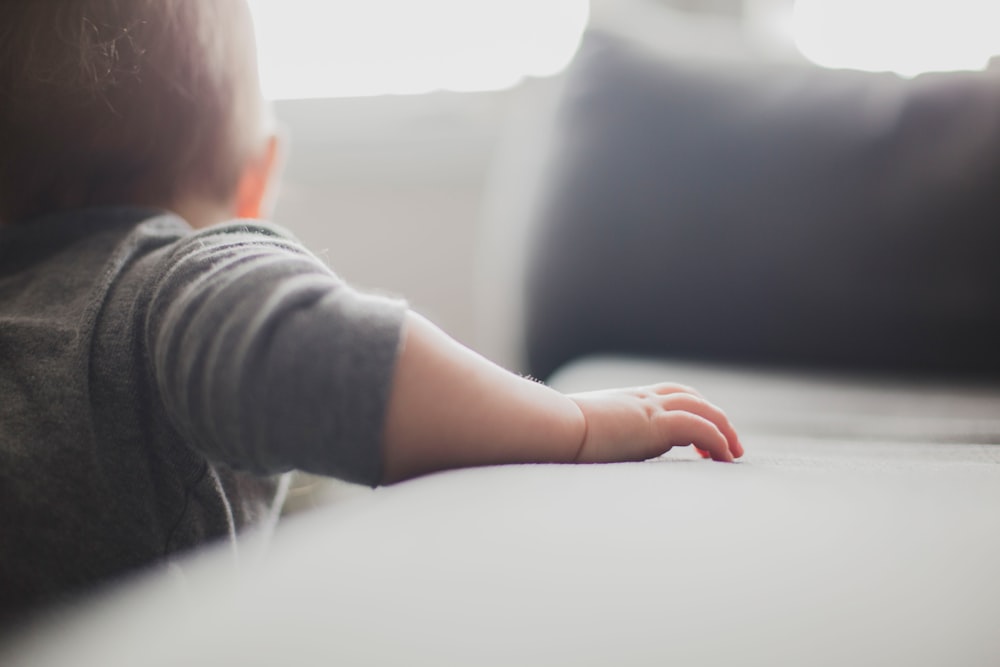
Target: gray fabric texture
[[153, 379]]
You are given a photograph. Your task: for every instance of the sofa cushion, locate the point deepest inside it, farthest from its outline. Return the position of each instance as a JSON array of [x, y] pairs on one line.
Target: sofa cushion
[[766, 213]]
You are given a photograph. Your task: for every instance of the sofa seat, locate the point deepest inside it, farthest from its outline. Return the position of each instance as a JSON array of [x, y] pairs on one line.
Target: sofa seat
[[862, 527]]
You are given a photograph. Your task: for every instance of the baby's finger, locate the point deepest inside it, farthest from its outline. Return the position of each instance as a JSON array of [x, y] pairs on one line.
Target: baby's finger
[[702, 408], [678, 428], [667, 388]]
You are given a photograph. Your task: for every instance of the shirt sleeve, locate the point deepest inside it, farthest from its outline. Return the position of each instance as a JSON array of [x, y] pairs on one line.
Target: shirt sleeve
[[266, 360]]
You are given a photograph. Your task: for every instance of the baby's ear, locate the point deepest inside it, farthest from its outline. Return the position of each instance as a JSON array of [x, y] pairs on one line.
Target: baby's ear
[[259, 180]]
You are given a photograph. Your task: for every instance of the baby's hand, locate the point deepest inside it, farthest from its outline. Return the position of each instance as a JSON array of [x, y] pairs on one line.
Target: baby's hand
[[645, 422]]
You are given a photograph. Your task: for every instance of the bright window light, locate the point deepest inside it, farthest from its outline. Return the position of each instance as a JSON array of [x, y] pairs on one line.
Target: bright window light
[[903, 36], [350, 48]]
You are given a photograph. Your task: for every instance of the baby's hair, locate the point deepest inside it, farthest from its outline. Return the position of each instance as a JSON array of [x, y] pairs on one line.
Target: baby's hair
[[106, 102]]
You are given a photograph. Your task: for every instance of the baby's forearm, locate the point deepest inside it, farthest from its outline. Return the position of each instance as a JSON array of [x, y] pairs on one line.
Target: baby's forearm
[[451, 407]]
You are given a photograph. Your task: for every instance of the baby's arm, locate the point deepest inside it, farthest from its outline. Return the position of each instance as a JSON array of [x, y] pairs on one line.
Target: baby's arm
[[452, 408]]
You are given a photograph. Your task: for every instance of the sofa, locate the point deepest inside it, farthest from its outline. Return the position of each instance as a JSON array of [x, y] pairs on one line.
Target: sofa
[[815, 251]]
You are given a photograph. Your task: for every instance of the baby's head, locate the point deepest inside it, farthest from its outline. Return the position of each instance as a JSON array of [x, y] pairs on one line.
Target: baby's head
[[128, 102]]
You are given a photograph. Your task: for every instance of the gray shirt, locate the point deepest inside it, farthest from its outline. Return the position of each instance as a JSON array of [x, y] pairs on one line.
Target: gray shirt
[[153, 378]]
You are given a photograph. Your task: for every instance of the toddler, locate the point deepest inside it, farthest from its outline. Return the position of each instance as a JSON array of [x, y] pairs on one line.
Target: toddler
[[164, 354]]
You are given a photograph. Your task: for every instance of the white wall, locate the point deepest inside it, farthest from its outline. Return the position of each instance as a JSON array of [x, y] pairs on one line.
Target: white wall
[[389, 191]]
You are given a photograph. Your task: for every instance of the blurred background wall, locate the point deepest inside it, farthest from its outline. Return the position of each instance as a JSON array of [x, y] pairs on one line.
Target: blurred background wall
[[423, 195], [394, 190], [389, 190]]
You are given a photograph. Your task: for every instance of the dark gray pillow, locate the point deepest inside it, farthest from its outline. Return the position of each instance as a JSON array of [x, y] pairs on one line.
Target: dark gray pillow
[[769, 214]]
